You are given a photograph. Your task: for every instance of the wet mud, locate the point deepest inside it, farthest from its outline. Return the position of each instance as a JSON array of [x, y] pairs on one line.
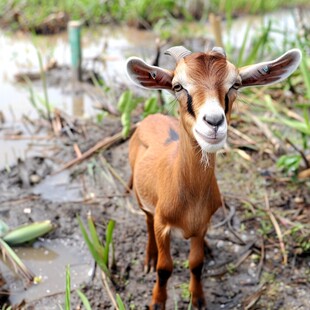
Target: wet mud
[[244, 268]]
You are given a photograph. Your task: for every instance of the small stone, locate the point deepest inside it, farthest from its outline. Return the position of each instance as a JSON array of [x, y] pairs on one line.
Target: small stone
[[35, 179], [27, 210], [220, 244], [298, 200]]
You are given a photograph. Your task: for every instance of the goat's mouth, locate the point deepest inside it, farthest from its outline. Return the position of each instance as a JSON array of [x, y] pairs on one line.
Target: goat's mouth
[[214, 138]]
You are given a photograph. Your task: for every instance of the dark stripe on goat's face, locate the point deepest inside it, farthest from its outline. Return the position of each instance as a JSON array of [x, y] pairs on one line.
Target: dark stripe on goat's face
[[226, 104], [190, 109], [173, 136]]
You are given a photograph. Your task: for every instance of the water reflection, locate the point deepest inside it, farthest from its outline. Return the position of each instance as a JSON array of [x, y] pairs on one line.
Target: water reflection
[[48, 260]]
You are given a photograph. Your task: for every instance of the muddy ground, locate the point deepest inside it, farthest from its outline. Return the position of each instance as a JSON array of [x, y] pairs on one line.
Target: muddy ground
[[245, 270]]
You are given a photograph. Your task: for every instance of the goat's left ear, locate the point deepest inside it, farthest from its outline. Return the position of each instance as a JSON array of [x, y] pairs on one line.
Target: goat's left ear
[[147, 76], [266, 73]]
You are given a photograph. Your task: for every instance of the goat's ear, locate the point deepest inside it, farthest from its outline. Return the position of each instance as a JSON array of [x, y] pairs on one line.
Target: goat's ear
[[266, 73], [147, 76]]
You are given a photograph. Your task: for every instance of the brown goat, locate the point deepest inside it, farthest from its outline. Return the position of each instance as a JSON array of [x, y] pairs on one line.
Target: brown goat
[[173, 161]]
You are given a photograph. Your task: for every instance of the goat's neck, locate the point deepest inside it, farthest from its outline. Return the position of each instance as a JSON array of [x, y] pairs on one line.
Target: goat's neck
[[195, 169]]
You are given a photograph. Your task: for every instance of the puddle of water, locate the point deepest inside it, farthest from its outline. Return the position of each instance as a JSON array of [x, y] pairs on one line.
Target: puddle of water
[[17, 142], [18, 54], [59, 188], [48, 259]]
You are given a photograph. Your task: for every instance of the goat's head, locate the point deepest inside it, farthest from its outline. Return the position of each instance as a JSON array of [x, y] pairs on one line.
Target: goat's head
[[206, 85]]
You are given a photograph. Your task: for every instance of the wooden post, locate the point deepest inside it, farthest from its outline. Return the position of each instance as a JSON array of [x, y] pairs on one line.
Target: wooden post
[[74, 30], [215, 22]]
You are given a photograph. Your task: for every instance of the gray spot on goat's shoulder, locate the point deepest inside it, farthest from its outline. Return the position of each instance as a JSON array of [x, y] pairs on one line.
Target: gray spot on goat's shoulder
[[173, 136]]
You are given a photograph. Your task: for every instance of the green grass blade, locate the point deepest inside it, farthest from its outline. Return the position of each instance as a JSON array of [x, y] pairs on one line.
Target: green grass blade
[[305, 71], [87, 240], [109, 236], [84, 300], [43, 77], [120, 303], [68, 289], [99, 260], [242, 49], [258, 47], [302, 127], [93, 233]]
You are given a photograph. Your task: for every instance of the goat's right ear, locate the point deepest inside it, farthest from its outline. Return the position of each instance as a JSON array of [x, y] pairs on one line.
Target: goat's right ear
[[147, 76]]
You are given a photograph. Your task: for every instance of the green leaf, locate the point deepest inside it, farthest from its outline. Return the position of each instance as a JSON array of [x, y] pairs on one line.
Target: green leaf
[[289, 163], [151, 106], [4, 228], [28, 232], [125, 102], [84, 300]]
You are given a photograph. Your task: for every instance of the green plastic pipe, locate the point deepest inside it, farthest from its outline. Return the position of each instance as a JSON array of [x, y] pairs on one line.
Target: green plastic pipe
[[74, 30]]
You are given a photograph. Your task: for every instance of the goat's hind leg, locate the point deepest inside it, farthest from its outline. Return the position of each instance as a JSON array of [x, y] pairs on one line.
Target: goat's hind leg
[[151, 248]]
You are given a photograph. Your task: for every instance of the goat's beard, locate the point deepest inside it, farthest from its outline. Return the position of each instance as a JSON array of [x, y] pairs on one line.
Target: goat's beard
[[207, 159]]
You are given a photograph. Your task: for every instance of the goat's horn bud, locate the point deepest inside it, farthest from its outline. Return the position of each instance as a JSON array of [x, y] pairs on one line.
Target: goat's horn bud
[[178, 52], [219, 50]]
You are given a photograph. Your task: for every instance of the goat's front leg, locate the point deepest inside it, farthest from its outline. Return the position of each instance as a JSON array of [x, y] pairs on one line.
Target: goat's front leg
[[164, 264], [196, 258]]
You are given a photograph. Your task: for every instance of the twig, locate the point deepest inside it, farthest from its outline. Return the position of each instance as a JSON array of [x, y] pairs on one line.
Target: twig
[[21, 200], [17, 137], [250, 301], [97, 94], [115, 174], [104, 144], [230, 228], [228, 217], [304, 174], [277, 229], [241, 199], [241, 135], [77, 150], [105, 282], [302, 154], [269, 135], [261, 261], [222, 268]]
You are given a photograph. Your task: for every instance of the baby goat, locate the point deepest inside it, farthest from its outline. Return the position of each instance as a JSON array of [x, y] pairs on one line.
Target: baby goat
[[173, 160]]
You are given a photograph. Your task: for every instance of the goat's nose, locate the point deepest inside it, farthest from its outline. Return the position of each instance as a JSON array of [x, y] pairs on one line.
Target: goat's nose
[[214, 120]]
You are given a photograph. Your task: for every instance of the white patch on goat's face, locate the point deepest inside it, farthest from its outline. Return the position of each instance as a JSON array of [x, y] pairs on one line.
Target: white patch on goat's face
[[210, 138]]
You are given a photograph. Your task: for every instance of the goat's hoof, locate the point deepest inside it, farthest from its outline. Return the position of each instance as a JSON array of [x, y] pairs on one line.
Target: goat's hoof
[[200, 303], [149, 268], [157, 307], [146, 269], [207, 249], [150, 265]]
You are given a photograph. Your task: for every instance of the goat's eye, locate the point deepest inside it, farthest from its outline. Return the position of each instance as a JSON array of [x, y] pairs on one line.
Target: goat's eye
[[236, 86], [177, 87]]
